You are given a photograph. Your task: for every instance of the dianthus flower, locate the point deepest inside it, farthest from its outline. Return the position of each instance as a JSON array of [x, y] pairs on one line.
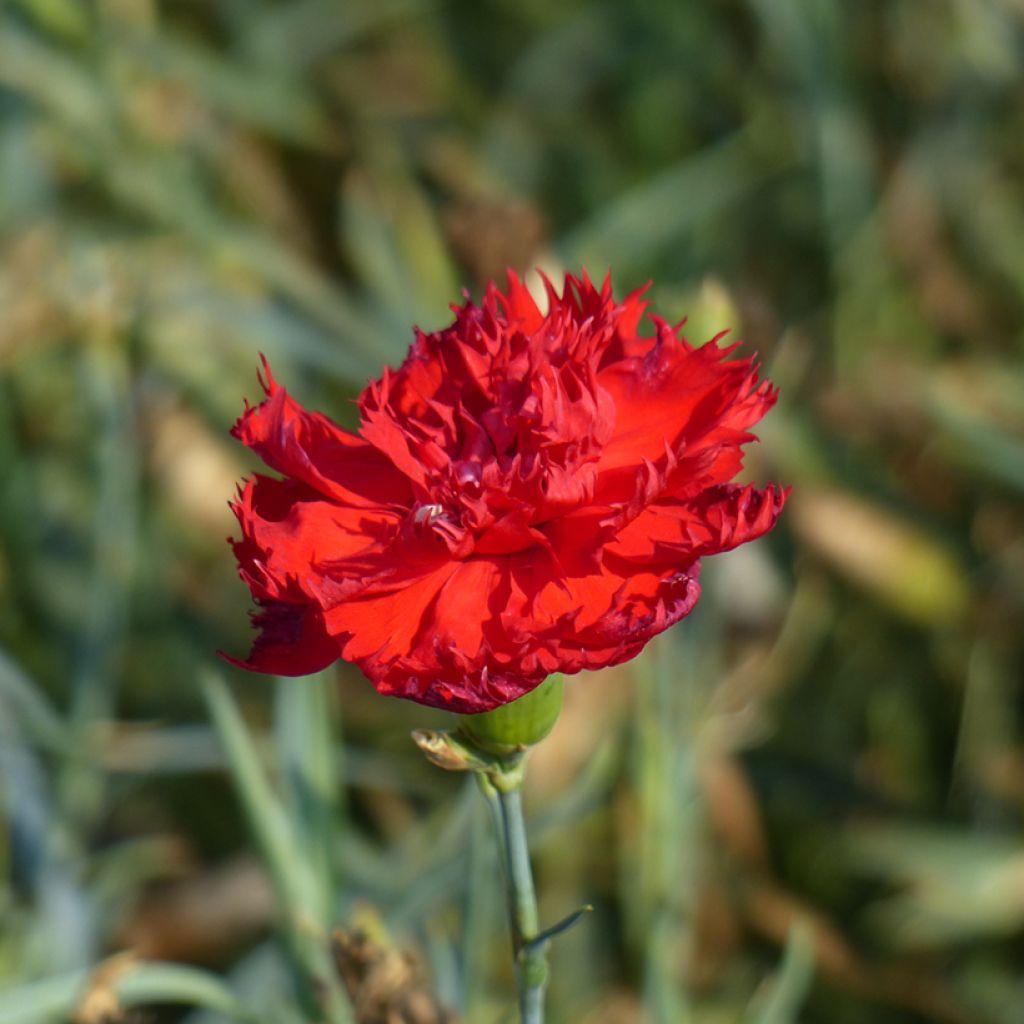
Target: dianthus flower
[[529, 493]]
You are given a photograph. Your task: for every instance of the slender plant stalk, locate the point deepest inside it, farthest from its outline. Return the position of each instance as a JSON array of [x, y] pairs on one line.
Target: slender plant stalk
[[504, 798], [531, 957], [498, 819], [493, 745]]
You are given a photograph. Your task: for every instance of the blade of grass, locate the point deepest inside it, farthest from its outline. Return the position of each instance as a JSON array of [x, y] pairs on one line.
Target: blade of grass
[[640, 222], [260, 979], [789, 988], [26, 703], [295, 36], [482, 922], [303, 717], [291, 873], [104, 624], [55, 999]]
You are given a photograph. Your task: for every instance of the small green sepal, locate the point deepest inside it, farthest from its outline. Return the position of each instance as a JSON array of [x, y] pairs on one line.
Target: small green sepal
[[513, 727]]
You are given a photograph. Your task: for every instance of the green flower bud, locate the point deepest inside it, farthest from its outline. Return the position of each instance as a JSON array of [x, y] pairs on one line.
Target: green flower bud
[[515, 726]]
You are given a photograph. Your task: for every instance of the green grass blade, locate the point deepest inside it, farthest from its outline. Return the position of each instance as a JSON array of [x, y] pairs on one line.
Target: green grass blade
[[305, 741], [291, 873], [55, 999], [788, 989], [20, 698]]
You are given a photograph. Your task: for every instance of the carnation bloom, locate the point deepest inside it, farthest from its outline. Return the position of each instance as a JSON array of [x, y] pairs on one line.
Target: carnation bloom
[[529, 493]]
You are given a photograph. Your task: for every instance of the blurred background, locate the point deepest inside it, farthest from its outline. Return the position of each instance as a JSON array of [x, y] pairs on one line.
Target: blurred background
[[805, 802]]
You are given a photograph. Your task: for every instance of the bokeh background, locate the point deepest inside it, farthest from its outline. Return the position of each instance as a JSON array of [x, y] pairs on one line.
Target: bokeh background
[[805, 802]]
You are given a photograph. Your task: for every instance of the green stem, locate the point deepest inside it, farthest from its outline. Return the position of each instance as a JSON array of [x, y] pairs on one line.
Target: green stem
[[531, 959], [493, 744], [498, 818]]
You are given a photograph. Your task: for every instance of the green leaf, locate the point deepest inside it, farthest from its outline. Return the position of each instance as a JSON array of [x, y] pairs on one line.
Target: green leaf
[[293, 876], [30, 706], [657, 212], [788, 989], [306, 745], [55, 999]]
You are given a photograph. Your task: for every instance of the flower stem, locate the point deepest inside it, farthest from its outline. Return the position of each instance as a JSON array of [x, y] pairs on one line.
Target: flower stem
[[504, 798], [493, 745], [531, 959]]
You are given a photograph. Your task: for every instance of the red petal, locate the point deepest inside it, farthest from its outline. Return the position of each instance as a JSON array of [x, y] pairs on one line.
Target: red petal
[[601, 618], [672, 533], [383, 621], [291, 537], [310, 448], [679, 402], [520, 309], [464, 607], [644, 605], [292, 641], [732, 515]]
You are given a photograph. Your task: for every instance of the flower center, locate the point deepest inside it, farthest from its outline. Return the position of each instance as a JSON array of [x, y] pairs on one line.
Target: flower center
[[428, 514]]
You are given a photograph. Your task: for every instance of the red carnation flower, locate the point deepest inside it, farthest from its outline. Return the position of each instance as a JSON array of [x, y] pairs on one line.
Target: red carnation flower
[[529, 493]]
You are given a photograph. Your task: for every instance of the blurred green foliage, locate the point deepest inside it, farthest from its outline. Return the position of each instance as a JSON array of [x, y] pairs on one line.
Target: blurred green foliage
[[805, 802]]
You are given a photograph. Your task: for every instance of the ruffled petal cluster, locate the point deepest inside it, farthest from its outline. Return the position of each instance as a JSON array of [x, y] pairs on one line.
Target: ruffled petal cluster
[[529, 493]]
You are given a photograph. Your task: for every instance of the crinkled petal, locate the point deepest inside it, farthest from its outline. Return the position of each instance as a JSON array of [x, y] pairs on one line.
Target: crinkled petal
[[679, 403], [384, 621], [670, 533], [309, 447], [288, 530], [292, 641], [732, 515]]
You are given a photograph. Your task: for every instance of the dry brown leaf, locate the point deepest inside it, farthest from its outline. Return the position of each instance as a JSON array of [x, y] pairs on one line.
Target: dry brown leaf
[[202, 919], [595, 705], [911, 571], [99, 1004], [772, 912], [195, 470], [386, 985], [488, 234], [732, 808], [617, 1008]]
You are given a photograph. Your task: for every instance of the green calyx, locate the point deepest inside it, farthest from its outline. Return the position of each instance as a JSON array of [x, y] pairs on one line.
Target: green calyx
[[516, 726]]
